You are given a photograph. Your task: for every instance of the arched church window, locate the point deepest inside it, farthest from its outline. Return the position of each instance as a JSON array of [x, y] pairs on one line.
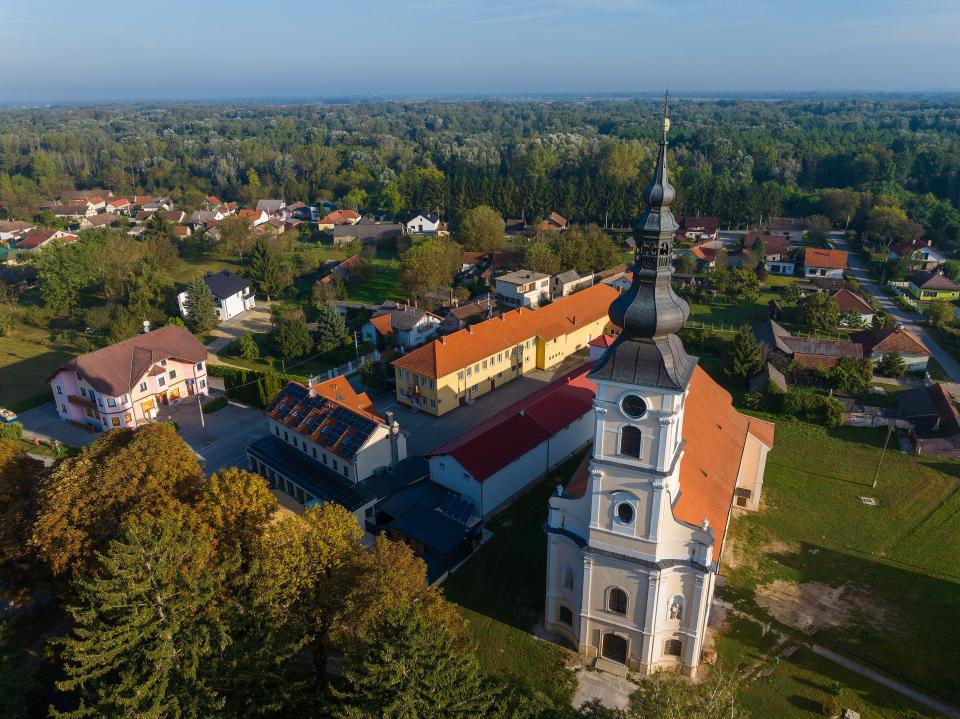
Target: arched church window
[[617, 601], [672, 647], [630, 441], [566, 616], [568, 578]]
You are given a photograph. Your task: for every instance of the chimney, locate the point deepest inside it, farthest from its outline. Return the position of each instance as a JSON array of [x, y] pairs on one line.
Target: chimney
[[470, 329], [523, 413], [443, 340], [146, 326], [394, 429]]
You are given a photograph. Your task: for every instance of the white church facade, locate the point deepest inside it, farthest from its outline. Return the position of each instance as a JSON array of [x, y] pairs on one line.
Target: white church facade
[[634, 540]]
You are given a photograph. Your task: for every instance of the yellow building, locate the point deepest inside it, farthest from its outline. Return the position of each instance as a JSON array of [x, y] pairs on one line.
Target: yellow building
[[457, 368]]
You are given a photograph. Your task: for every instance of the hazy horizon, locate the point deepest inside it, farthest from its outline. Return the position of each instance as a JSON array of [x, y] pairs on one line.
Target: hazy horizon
[[468, 49]]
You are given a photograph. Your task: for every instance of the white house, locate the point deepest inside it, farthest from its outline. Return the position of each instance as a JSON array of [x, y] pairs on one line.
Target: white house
[[849, 301], [566, 283], [324, 441], [411, 326], [790, 227], [818, 262], [426, 223], [231, 293], [523, 288], [505, 454]]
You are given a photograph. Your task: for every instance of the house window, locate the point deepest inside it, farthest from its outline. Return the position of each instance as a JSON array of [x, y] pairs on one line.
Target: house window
[[63, 408], [617, 601], [565, 616], [59, 389], [143, 386], [163, 363], [469, 371], [345, 471], [173, 374], [276, 430], [334, 464], [126, 418], [474, 388], [115, 421], [161, 381], [460, 376], [203, 383], [83, 391], [199, 366], [100, 401], [314, 452], [286, 437], [324, 458], [111, 402], [630, 441]]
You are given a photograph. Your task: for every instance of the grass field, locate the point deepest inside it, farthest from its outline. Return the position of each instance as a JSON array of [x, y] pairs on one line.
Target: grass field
[[27, 360], [515, 557], [895, 566], [797, 687], [383, 285]]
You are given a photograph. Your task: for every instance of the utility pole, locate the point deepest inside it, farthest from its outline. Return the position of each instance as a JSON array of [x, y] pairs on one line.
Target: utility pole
[[890, 425], [356, 346]]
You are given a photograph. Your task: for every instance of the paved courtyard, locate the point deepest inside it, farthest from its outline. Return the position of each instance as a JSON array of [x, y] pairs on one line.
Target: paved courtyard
[[228, 431], [426, 432], [45, 424], [255, 321]]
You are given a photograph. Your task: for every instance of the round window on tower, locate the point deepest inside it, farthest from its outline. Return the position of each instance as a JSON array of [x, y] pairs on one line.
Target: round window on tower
[[624, 513], [633, 406]]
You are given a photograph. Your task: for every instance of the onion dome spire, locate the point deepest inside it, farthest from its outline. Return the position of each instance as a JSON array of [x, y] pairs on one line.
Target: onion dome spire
[[649, 312]]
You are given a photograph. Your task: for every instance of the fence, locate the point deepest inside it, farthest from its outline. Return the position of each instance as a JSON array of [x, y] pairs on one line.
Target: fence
[[348, 368], [692, 325]]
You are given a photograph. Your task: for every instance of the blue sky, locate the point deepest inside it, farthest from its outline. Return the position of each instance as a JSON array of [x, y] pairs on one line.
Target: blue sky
[[54, 50]]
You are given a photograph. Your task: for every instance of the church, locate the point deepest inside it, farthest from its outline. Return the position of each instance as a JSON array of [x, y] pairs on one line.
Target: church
[[634, 540]]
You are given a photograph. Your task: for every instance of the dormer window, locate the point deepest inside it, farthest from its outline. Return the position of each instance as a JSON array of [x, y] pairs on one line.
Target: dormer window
[[163, 363]]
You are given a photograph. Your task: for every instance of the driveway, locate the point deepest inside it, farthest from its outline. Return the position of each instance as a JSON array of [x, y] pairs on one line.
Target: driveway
[[255, 321], [911, 320], [224, 439], [426, 432], [45, 424]]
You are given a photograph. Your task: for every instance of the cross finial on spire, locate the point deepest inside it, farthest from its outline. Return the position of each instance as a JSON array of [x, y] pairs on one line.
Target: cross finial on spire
[[666, 120]]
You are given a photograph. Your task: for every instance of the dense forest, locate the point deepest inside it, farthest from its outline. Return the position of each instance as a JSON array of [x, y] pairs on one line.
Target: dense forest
[[742, 160]]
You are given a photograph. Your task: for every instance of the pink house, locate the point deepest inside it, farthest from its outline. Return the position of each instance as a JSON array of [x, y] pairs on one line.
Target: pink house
[[123, 385]]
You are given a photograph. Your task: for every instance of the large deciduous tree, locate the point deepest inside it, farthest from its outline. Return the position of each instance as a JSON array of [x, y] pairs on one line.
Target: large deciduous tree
[[481, 229], [429, 265], [539, 257], [124, 472]]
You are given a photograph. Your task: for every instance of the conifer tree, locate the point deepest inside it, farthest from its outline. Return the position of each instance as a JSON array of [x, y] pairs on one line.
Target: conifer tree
[[406, 666], [744, 358], [148, 626], [247, 347], [331, 328], [265, 270], [200, 306]]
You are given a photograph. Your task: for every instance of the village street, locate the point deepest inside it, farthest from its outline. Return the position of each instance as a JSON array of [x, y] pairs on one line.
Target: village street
[[910, 320]]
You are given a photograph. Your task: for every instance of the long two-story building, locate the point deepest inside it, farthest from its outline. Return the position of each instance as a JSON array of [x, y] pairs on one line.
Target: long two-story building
[[124, 385], [456, 369]]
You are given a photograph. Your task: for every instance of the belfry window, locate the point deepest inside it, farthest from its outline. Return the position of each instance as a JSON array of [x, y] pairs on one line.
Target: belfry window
[[630, 441]]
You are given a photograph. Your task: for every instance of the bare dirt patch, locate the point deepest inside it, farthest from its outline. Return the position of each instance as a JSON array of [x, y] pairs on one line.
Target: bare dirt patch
[[815, 605]]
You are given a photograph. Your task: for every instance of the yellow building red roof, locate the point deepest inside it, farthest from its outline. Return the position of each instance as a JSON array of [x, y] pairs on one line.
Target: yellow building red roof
[[455, 351]]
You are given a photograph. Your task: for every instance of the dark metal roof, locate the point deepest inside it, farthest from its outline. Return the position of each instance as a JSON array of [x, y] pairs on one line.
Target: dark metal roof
[[658, 362], [226, 284], [320, 481], [432, 529]]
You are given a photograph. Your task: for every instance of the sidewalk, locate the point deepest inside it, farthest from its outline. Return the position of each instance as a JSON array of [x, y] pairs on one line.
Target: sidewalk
[[919, 697]]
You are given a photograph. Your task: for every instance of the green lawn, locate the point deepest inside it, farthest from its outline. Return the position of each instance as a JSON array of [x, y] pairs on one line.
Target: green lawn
[[383, 285], [898, 563], [797, 686], [501, 624], [27, 359]]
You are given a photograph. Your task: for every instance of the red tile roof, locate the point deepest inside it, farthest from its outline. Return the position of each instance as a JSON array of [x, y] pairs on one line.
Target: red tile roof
[[340, 390], [511, 433], [340, 216], [849, 301], [832, 259], [252, 215], [715, 435], [455, 351], [382, 324], [891, 339], [603, 341]]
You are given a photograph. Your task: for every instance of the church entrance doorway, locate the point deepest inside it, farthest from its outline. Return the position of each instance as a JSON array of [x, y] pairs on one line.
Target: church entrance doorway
[[614, 648]]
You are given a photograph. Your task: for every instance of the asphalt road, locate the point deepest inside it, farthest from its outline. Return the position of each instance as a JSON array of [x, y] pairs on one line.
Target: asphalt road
[[911, 321]]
